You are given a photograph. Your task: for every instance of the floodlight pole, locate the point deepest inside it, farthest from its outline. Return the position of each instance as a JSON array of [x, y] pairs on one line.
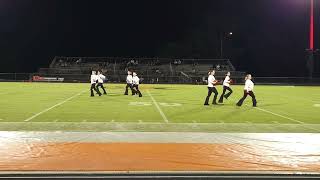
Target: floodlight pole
[[311, 51], [221, 45], [222, 37]]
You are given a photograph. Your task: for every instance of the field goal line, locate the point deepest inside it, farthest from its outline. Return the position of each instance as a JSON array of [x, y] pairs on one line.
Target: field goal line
[[56, 105]]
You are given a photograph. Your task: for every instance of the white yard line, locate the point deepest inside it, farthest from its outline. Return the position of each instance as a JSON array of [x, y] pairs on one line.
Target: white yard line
[[279, 115], [285, 117], [158, 107], [56, 105]]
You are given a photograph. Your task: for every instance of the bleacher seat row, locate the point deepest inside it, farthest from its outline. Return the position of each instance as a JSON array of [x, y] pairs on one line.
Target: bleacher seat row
[[151, 70]]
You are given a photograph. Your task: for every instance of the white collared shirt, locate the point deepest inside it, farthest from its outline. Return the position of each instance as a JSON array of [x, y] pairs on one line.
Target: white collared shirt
[[101, 78], [129, 79], [93, 79], [135, 80], [249, 85], [226, 81], [211, 81]]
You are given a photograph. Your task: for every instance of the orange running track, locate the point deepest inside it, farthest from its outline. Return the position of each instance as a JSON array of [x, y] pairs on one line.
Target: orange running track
[[191, 152]]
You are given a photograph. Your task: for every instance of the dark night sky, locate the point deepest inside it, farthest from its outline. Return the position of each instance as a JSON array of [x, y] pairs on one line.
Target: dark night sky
[[269, 39]]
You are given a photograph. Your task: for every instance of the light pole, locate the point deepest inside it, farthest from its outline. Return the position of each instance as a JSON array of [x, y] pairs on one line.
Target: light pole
[[222, 36], [311, 51]]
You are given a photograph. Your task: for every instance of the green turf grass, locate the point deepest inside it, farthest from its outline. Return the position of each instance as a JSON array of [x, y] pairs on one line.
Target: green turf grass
[[176, 108]]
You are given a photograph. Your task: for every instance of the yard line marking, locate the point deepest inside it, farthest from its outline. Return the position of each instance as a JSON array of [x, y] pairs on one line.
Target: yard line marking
[[56, 105], [157, 106], [279, 115]]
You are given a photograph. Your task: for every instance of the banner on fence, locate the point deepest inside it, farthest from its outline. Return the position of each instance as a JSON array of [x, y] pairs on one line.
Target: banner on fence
[[47, 79]]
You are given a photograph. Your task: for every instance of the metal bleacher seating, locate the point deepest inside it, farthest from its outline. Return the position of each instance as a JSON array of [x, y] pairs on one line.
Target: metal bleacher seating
[[150, 70]]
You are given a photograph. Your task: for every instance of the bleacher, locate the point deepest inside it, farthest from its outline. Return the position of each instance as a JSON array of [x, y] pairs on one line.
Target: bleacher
[[150, 70]]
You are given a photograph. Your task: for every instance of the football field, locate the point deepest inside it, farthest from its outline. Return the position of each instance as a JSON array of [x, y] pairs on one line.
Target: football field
[[163, 108]]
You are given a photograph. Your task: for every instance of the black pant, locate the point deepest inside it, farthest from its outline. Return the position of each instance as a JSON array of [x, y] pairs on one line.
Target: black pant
[[93, 87], [129, 86], [225, 88], [136, 89], [245, 94], [210, 90], [101, 85]]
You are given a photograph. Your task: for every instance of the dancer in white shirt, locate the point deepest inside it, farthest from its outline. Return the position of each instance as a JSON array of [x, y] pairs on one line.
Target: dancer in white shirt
[[226, 86], [101, 79], [211, 88], [93, 81], [129, 81], [135, 82], [248, 90]]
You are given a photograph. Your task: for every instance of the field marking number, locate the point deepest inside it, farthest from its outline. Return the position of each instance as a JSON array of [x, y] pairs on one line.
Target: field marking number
[[170, 104], [149, 104], [140, 104]]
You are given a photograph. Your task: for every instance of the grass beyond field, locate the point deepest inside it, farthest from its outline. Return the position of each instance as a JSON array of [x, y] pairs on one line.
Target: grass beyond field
[[60, 107]]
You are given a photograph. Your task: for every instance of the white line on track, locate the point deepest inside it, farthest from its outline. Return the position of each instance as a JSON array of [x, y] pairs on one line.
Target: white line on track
[[158, 107], [56, 105]]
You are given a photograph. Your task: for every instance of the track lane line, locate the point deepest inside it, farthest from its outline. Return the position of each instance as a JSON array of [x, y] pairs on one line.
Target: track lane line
[[56, 105]]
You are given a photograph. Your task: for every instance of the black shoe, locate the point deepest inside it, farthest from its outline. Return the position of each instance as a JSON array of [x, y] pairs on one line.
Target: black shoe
[[214, 103], [225, 97], [126, 94], [104, 93], [206, 104], [238, 105], [254, 106], [220, 101]]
